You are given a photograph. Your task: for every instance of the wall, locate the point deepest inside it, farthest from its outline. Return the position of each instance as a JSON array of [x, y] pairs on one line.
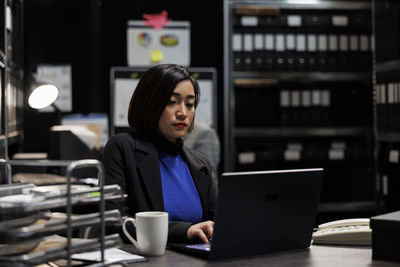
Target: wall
[[91, 36]]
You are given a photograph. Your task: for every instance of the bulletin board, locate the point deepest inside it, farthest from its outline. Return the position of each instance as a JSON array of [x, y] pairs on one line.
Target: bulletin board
[[148, 46], [125, 79]]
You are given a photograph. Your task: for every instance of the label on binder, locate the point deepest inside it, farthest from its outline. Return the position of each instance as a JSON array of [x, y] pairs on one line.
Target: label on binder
[[284, 98], [343, 42], [340, 21], [280, 42], [333, 46], [311, 43], [301, 42], [237, 42], [247, 157], [295, 98], [385, 186], [290, 42], [248, 42], [353, 42], [390, 95], [9, 19], [292, 155], [306, 98], [364, 43], [249, 21], [269, 42], [394, 156], [322, 42], [336, 154], [294, 20], [258, 41]]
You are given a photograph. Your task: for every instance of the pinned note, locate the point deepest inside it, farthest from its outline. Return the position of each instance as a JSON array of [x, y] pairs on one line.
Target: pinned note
[[157, 21], [156, 56], [147, 45]]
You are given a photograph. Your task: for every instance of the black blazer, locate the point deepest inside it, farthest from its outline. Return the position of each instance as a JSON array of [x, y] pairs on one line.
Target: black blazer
[[131, 160]]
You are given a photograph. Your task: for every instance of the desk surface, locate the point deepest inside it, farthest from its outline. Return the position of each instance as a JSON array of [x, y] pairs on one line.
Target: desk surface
[[324, 256]]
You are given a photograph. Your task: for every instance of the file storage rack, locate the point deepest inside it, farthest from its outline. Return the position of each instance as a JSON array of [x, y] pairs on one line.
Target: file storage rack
[[28, 237], [11, 74], [387, 102], [298, 93]]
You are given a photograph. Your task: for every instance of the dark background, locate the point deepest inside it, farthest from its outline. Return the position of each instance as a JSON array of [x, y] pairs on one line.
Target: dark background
[[91, 36]]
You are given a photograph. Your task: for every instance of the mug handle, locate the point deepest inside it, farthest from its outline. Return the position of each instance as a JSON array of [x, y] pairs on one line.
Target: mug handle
[[128, 235]]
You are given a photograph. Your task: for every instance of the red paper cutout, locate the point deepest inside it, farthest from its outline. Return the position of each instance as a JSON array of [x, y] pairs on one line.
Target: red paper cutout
[[157, 21]]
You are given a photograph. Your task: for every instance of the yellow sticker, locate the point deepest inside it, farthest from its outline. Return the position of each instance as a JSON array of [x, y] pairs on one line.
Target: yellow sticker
[[95, 194], [156, 56]]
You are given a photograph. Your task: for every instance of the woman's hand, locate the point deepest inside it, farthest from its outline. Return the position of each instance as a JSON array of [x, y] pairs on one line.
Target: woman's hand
[[203, 230]]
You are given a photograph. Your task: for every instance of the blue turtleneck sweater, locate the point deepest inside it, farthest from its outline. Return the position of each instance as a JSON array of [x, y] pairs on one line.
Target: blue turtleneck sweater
[[181, 199]]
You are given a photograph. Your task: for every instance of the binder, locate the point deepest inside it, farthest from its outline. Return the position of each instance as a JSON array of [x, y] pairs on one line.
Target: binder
[[284, 105], [247, 55], [249, 21], [306, 107], [280, 55], [325, 110], [316, 107], [258, 59], [300, 42], [301, 61], [322, 55], [332, 42], [294, 20], [380, 105], [316, 22], [237, 47], [311, 43], [391, 107], [269, 21], [269, 47], [264, 107], [301, 48], [340, 20], [290, 61], [354, 47], [295, 112], [312, 63]]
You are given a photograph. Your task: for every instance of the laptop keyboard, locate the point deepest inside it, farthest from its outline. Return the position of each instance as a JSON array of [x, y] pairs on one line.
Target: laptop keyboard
[[203, 246]]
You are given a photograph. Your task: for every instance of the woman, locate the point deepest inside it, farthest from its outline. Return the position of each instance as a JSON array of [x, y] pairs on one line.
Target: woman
[[150, 162]]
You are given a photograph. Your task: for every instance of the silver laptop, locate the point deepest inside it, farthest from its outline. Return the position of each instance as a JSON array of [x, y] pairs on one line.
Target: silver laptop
[[261, 212]]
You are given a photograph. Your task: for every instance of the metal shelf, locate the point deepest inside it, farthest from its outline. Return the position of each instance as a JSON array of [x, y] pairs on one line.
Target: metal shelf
[[303, 76], [392, 65], [388, 136], [306, 4], [71, 166], [348, 206], [13, 137], [302, 132]]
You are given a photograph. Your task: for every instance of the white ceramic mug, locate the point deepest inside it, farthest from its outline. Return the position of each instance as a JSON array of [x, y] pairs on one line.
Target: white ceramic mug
[[151, 232]]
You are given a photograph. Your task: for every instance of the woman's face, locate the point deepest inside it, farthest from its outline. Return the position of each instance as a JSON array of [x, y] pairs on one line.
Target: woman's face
[[179, 112]]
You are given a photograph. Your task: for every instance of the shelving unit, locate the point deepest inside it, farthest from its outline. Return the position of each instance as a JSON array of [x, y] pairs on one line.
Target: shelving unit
[[18, 217], [11, 74], [387, 101], [298, 93]]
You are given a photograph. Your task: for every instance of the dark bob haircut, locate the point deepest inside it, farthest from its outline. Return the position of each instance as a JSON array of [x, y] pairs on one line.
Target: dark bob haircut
[[152, 94]]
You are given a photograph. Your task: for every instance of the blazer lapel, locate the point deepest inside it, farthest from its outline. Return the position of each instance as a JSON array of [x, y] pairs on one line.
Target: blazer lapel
[[201, 180], [149, 172]]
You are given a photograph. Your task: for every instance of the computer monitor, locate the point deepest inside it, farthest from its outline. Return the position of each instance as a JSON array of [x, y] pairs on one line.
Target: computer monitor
[[125, 79]]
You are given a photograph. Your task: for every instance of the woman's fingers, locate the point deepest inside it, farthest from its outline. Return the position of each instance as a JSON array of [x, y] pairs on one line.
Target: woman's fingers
[[203, 230]]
